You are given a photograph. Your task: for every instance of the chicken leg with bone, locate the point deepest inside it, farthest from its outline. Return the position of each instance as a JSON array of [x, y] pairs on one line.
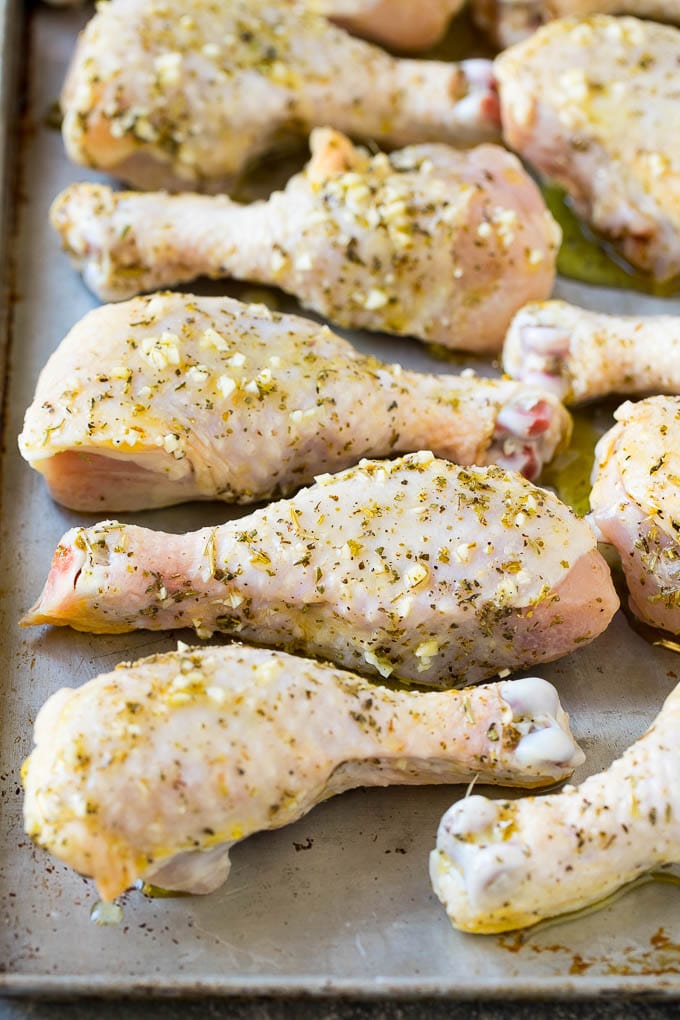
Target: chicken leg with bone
[[510, 21], [407, 25], [427, 242], [594, 105], [172, 398], [186, 93], [234, 740], [635, 503], [500, 865], [582, 355], [414, 567]]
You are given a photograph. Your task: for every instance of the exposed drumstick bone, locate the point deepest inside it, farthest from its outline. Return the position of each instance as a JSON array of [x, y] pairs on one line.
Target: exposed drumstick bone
[[580, 355]]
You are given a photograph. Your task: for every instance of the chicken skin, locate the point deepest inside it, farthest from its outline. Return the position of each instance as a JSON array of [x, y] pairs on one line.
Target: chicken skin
[[414, 567], [582, 355], [510, 21], [594, 104], [407, 25], [234, 740], [427, 242], [173, 398], [185, 94], [501, 865], [635, 503]]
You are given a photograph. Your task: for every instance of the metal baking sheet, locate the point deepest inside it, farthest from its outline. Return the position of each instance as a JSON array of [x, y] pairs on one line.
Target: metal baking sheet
[[341, 901]]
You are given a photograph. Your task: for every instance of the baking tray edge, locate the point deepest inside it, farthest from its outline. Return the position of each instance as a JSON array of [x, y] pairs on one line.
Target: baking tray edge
[[13, 22]]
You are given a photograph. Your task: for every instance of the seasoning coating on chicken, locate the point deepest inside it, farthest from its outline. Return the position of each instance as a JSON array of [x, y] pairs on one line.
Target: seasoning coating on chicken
[[230, 741], [407, 25], [427, 242], [593, 105], [635, 503], [172, 397], [581, 355], [501, 865], [187, 93], [510, 21], [413, 567]]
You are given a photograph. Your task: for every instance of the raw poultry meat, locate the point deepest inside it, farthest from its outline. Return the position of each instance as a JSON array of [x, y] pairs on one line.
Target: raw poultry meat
[[428, 242], [581, 355], [172, 397], [407, 25], [503, 864], [510, 21], [594, 105], [155, 770], [635, 503], [187, 93], [413, 567]]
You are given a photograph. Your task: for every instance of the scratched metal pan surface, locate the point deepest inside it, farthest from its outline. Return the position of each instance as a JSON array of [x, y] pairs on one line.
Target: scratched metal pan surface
[[341, 901]]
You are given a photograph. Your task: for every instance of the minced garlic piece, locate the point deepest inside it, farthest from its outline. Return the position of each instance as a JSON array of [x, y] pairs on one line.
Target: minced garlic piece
[[375, 299], [426, 651], [225, 386], [163, 351], [464, 551], [211, 338], [415, 575], [173, 444], [383, 666]]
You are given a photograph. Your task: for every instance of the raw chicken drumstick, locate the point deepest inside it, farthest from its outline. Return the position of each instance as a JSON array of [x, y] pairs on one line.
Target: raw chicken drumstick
[[502, 864], [635, 504], [581, 355], [428, 242], [594, 105], [173, 398], [510, 21], [407, 25], [230, 741], [187, 93], [413, 567]]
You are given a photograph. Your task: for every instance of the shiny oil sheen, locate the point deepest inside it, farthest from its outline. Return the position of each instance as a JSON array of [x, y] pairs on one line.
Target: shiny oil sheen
[[585, 256]]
